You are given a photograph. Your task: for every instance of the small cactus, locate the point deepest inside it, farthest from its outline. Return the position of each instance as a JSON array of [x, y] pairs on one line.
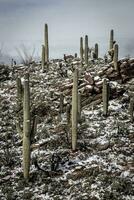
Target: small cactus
[[115, 58], [34, 128], [96, 51], [43, 57], [105, 97], [74, 109], [111, 42], [75, 55], [86, 50], [26, 128], [19, 92], [19, 88], [81, 49], [46, 44], [131, 109], [68, 109], [19, 105]]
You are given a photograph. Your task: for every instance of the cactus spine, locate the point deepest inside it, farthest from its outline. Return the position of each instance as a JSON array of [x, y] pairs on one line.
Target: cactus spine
[[111, 42], [81, 49], [115, 58], [96, 51], [105, 96], [74, 109], [86, 49], [26, 128], [43, 57], [131, 108], [46, 44]]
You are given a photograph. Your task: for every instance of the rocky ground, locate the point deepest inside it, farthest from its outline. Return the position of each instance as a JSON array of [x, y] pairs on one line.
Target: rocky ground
[[101, 168]]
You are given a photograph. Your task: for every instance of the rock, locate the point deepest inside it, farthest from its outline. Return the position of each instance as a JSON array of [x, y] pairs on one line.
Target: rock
[[109, 71], [102, 147], [89, 78]]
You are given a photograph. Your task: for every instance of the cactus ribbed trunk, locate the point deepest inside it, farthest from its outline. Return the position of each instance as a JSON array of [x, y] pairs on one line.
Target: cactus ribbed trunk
[[105, 96], [81, 49], [46, 44], [79, 106], [74, 109], [86, 49], [19, 89], [26, 128], [115, 58], [111, 39], [96, 51], [19, 93], [68, 109], [131, 109], [43, 57], [19, 105]]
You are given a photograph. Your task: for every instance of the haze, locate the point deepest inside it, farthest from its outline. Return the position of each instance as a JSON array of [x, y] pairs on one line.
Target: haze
[[22, 22]]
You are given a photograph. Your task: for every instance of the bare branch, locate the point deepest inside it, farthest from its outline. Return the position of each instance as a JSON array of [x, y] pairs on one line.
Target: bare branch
[[25, 55]]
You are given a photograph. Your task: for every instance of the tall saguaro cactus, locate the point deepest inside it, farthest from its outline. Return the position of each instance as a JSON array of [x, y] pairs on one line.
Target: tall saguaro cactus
[[46, 44], [79, 106], [96, 51], [115, 58], [81, 49], [86, 49], [74, 109], [26, 128], [43, 57], [111, 42], [105, 96]]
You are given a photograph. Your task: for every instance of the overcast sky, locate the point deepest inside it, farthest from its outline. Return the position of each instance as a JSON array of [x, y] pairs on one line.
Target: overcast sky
[[22, 22]]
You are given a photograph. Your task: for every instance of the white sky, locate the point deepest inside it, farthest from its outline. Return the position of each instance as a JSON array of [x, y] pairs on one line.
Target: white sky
[[68, 20]]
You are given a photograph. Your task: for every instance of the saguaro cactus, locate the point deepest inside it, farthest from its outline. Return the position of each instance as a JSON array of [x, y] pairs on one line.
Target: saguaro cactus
[[131, 108], [43, 57], [68, 109], [96, 51], [26, 128], [86, 49], [19, 92], [105, 96], [81, 49], [19, 105], [115, 58], [79, 106], [111, 42], [75, 55], [46, 44], [19, 88], [74, 109]]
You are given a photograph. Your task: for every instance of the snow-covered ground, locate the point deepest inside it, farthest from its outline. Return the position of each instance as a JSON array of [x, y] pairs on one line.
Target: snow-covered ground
[[101, 168]]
